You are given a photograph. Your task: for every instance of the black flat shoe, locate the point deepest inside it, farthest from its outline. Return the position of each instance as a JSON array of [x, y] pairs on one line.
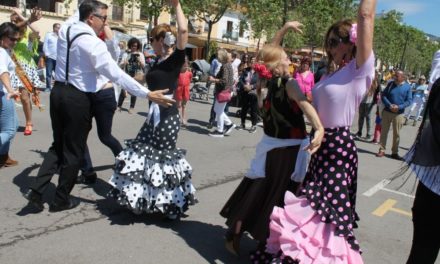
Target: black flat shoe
[[232, 243], [34, 199], [87, 179], [72, 203]]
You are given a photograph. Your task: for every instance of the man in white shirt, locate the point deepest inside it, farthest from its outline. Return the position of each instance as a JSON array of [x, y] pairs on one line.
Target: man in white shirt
[[50, 52], [235, 64], [89, 68]]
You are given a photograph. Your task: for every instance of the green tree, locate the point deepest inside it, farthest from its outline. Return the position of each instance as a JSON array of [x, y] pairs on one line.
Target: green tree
[[262, 17], [399, 45], [208, 11]]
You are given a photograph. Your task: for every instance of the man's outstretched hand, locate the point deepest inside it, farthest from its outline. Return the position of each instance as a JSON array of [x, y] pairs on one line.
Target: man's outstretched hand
[[159, 98]]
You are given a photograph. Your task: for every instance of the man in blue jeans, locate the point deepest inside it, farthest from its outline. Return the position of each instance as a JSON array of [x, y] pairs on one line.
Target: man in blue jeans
[[396, 97], [50, 52]]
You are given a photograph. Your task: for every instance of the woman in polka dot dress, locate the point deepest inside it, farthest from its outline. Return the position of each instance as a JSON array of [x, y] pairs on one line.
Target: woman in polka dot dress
[[151, 174], [317, 227], [25, 52]]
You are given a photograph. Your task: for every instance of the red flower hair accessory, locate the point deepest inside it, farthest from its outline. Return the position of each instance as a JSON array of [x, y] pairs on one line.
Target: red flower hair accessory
[[262, 71]]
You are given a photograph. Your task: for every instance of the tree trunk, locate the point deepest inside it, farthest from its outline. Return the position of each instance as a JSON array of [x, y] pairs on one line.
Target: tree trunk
[[208, 41]]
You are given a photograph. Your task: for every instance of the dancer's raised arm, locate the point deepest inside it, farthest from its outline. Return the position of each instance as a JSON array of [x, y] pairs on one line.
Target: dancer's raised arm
[[365, 28], [182, 25], [295, 25]]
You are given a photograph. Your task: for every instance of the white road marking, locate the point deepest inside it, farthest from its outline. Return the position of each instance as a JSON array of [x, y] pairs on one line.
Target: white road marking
[[376, 188], [397, 192]]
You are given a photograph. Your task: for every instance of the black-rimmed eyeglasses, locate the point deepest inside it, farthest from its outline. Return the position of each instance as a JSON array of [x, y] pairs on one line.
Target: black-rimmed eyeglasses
[[103, 18]]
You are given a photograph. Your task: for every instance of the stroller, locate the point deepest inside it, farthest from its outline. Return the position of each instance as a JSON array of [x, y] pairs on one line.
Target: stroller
[[200, 69]]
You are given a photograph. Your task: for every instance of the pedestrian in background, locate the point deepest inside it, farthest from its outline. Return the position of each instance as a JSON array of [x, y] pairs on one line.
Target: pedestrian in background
[[9, 35], [419, 99], [247, 87], [366, 106], [50, 53], [182, 93], [224, 81], [133, 62], [25, 57], [396, 97], [305, 77]]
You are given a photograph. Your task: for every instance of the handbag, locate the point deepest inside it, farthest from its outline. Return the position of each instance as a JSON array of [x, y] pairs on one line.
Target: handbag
[[224, 96], [139, 76]]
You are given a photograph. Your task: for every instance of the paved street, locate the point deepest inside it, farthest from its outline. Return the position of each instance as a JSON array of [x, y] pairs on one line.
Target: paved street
[[99, 231]]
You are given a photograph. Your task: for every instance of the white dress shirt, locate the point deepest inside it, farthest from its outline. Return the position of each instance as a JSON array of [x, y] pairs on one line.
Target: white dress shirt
[[50, 45], [91, 65]]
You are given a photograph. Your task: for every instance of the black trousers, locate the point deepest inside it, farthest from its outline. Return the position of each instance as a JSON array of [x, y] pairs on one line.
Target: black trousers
[[426, 236], [122, 96], [103, 110], [71, 115], [249, 101]]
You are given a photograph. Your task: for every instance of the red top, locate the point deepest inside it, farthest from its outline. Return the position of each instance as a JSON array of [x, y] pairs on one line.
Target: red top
[[184, 79]]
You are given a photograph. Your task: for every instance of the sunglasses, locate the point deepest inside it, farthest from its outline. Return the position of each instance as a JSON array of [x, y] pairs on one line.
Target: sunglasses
[[103, 18], [333, 42]]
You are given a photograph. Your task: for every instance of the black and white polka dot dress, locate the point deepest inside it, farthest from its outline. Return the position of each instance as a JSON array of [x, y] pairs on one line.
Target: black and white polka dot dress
[[151, 174], [31, 72]]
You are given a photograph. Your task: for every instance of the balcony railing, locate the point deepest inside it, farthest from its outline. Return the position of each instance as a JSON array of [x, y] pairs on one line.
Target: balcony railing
[[230, 35]]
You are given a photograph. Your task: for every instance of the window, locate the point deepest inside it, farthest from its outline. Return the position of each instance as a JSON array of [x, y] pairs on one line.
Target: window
[[117, 12], [241, 29], [229, 26]]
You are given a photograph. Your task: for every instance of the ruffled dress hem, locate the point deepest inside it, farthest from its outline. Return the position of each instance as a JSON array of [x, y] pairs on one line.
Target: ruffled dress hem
[[150, 180], [297, 233]]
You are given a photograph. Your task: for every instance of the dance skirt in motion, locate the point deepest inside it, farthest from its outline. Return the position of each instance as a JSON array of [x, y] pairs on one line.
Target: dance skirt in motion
[[151, 174], [31, 72], [297, 233]]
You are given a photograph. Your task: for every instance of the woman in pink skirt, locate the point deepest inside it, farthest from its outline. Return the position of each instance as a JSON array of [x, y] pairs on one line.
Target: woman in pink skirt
[[317, 226]]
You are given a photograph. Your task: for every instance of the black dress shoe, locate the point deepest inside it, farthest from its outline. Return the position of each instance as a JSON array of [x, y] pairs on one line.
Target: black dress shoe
[[396, 157], [87, 178], [72, 203], [34, 199]]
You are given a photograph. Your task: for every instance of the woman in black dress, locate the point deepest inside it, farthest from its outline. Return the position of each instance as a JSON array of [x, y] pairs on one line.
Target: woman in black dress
[[281, 157], [151, 174]]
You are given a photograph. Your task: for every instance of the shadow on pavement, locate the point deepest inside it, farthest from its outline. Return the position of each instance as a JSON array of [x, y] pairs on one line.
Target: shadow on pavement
[[208, 240], [197, 126], [21, 180], [205, 238], [360, 150]]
